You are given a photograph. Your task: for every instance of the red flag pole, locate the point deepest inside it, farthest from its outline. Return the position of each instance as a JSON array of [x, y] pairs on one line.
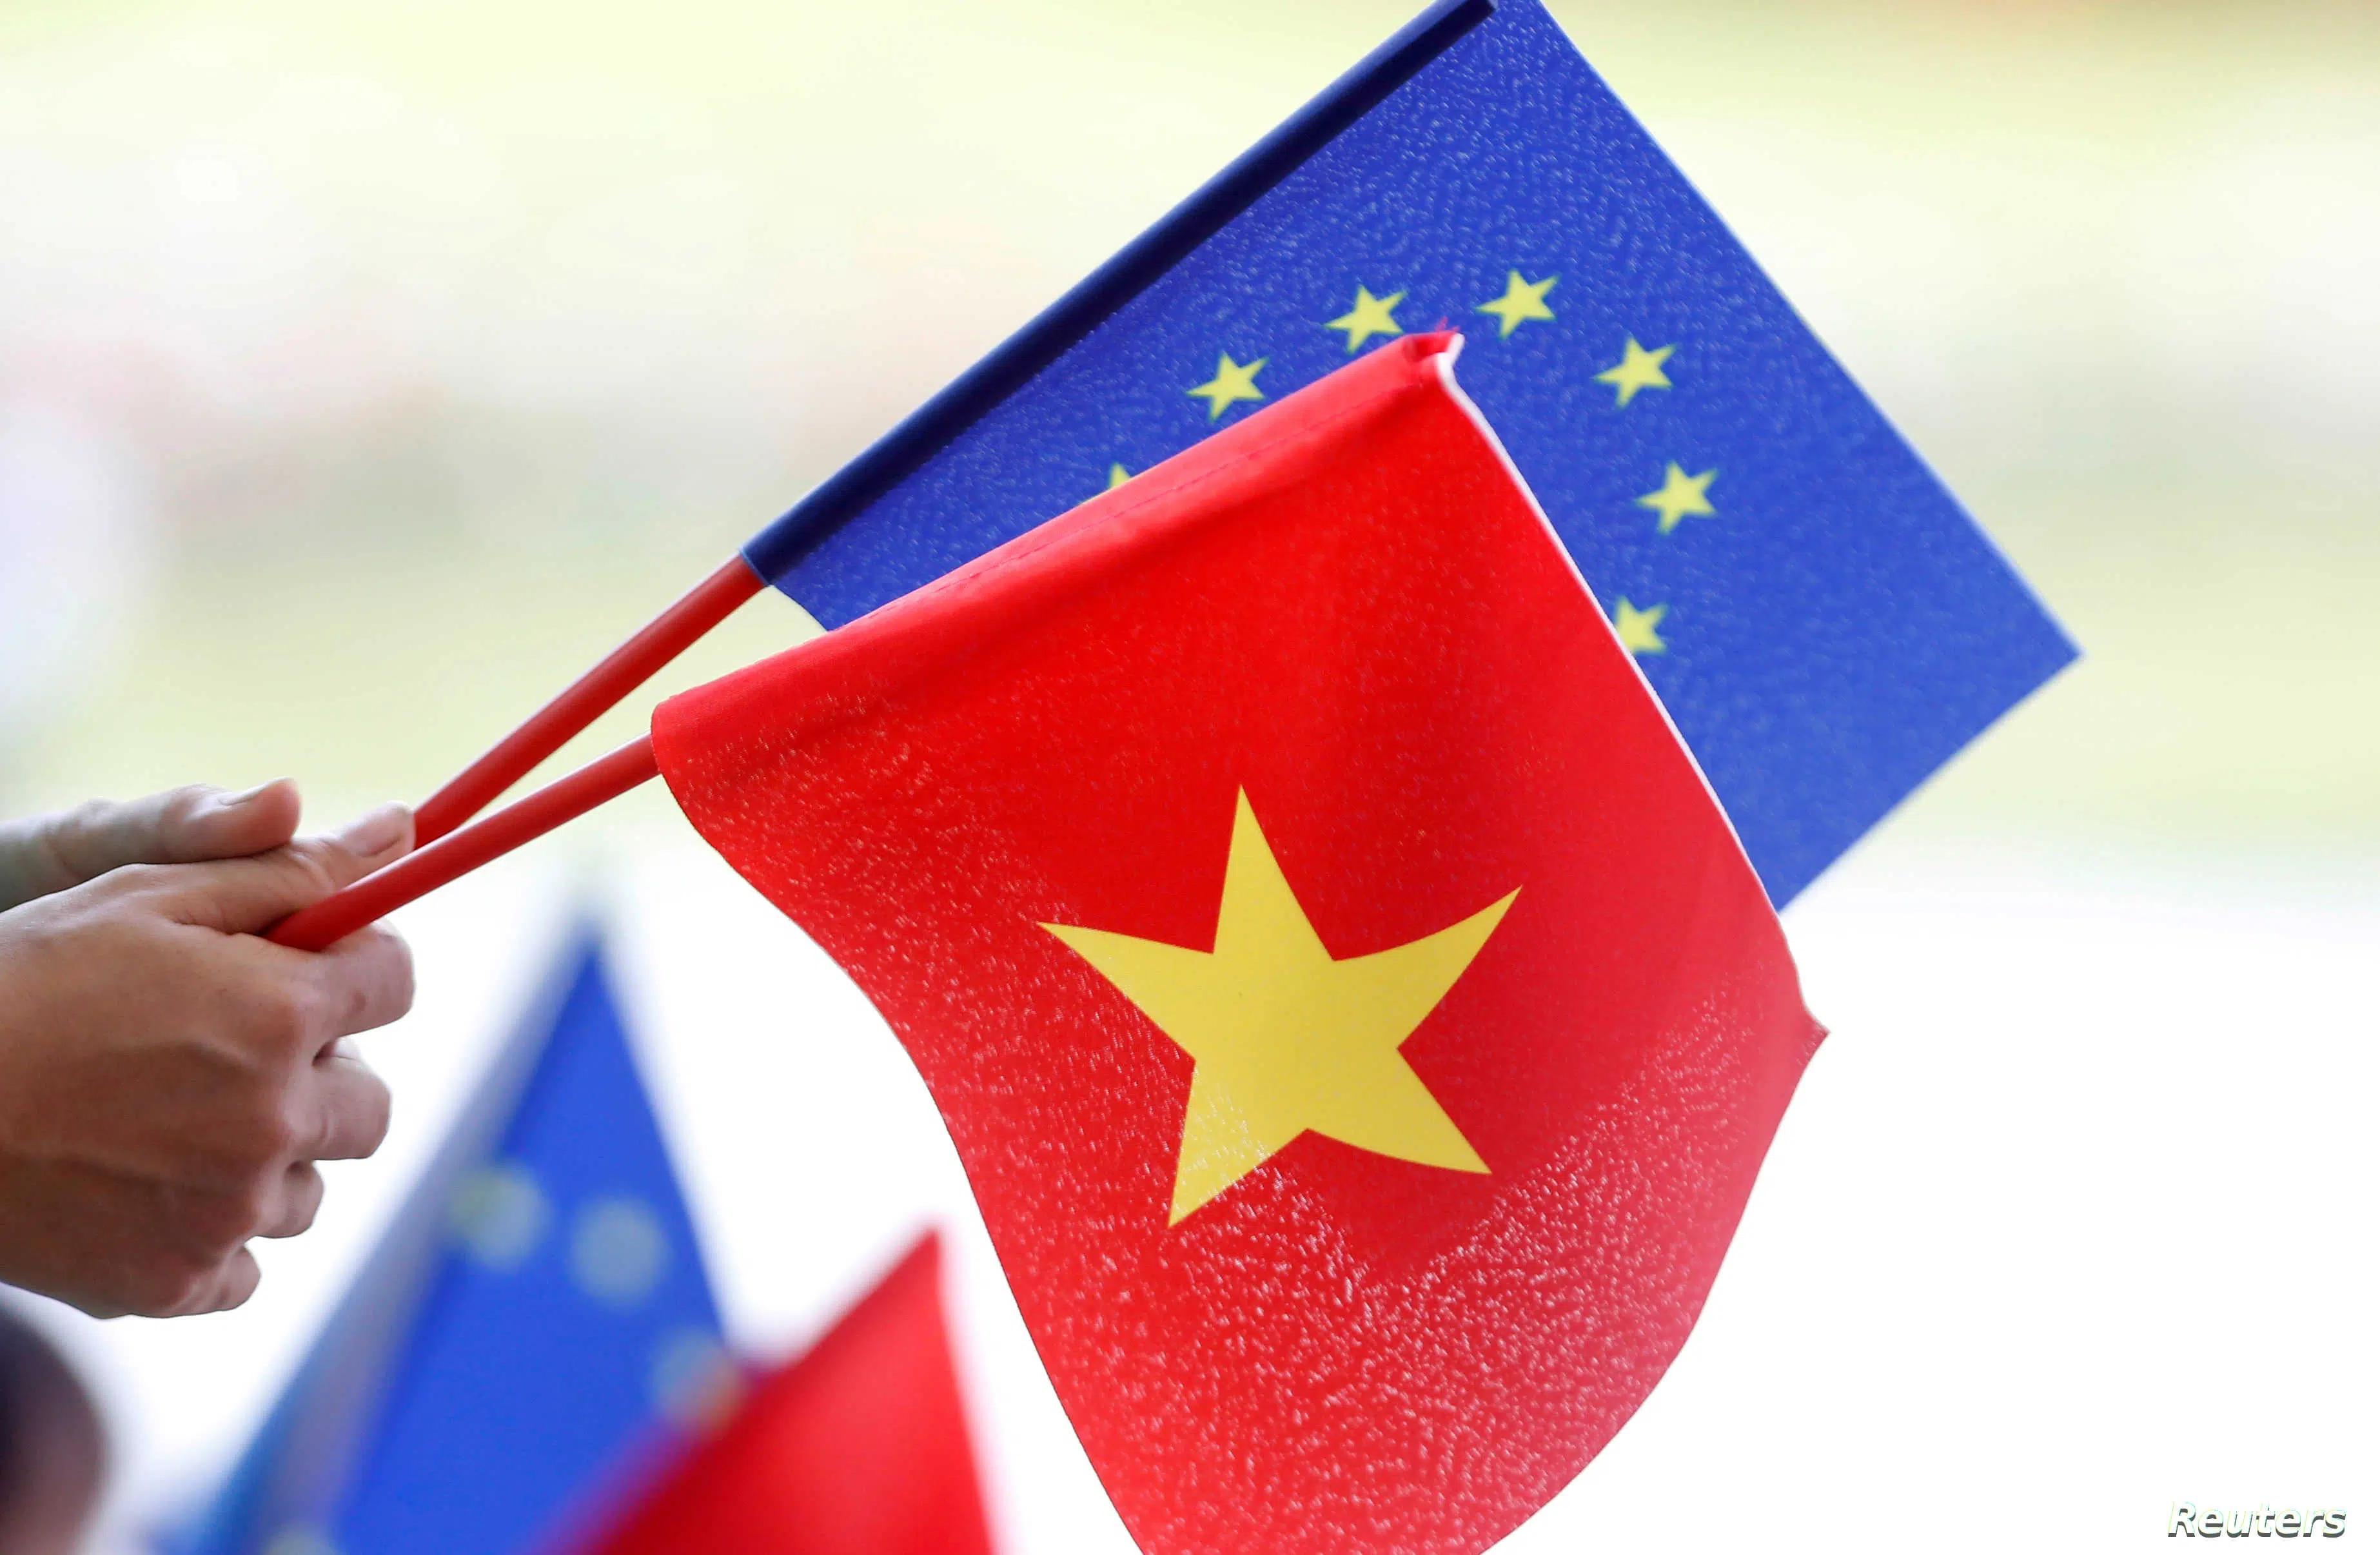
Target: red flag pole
[[424, 871], [593, 694]]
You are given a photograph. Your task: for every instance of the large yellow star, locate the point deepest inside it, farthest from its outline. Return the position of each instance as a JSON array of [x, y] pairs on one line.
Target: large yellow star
[[1231, 382], [1681, 496], [1370, 316], [1522, 301], [1286, 1038], [1638, 369], [1640, 629]]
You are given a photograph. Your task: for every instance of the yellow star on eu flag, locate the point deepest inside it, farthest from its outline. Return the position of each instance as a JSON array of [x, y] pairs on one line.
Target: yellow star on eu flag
[[1637, 368], [1231, 383], [1638, 629], [1117, 476], [1681, 497], [1370, 316], [1522, 301], [1285, 1037]]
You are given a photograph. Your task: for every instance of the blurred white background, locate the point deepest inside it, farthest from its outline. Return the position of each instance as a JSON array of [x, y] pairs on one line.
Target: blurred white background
[[363, 373]]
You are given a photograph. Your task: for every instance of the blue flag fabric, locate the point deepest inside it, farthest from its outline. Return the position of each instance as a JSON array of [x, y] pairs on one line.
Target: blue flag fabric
[[536, 1320], [1823, 622]]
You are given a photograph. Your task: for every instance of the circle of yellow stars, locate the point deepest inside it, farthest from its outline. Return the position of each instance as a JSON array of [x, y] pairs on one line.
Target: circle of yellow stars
[[1370, 316]]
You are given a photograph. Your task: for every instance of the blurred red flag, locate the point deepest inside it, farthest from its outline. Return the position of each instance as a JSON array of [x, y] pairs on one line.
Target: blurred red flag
[[857, 1447], [1358, 1022]]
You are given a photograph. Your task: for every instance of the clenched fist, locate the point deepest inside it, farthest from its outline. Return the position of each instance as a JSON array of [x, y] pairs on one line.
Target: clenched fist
[[167, 1079]]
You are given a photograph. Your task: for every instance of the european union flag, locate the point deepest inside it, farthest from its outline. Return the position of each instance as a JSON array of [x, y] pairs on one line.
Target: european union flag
[[1823, 622], [538, 1315]]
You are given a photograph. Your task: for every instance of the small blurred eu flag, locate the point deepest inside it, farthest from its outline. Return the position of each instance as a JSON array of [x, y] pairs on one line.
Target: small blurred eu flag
[[535, 1323], [1823, 622]]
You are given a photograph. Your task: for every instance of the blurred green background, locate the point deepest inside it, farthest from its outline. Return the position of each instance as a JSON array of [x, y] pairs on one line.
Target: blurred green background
[[366, 370]]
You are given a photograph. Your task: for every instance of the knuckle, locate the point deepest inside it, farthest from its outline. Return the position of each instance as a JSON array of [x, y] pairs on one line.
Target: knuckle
[[162, 1291], [284, 1015], [364, 983], [63, 842], [140, 880], [85, 820], [171, 1283], [308, 868], [258, 1139], [357, 998], [273, 1136], [303, 1013], [221, 1221], [178, 807], [189, 1287], [250, 1211]]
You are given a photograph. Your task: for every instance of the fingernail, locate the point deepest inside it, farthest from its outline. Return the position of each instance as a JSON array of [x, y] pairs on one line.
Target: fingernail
[[376, 830], [233, 801]]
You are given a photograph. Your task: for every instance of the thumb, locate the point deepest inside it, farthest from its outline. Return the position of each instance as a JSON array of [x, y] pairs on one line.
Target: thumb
[[56, 852], [249, 895]]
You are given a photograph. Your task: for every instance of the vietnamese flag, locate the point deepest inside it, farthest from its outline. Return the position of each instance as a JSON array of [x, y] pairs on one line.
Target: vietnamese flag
[[1358, 1022], [858, 1447]]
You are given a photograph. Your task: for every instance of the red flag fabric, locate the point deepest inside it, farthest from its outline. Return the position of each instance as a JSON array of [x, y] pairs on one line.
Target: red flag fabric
[[860, 1447], [1358, 1022]]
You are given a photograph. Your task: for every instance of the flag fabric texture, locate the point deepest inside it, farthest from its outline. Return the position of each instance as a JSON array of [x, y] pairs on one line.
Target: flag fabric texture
[[857, 1447], [536, 1320], [1822, 620], [1358, 1023]]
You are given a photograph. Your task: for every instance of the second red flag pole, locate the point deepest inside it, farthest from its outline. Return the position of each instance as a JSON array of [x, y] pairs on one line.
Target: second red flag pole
[[588, 698]]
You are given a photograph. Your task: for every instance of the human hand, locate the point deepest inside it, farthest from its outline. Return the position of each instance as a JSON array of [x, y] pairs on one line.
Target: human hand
[[46, 852], [168, 1080]]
